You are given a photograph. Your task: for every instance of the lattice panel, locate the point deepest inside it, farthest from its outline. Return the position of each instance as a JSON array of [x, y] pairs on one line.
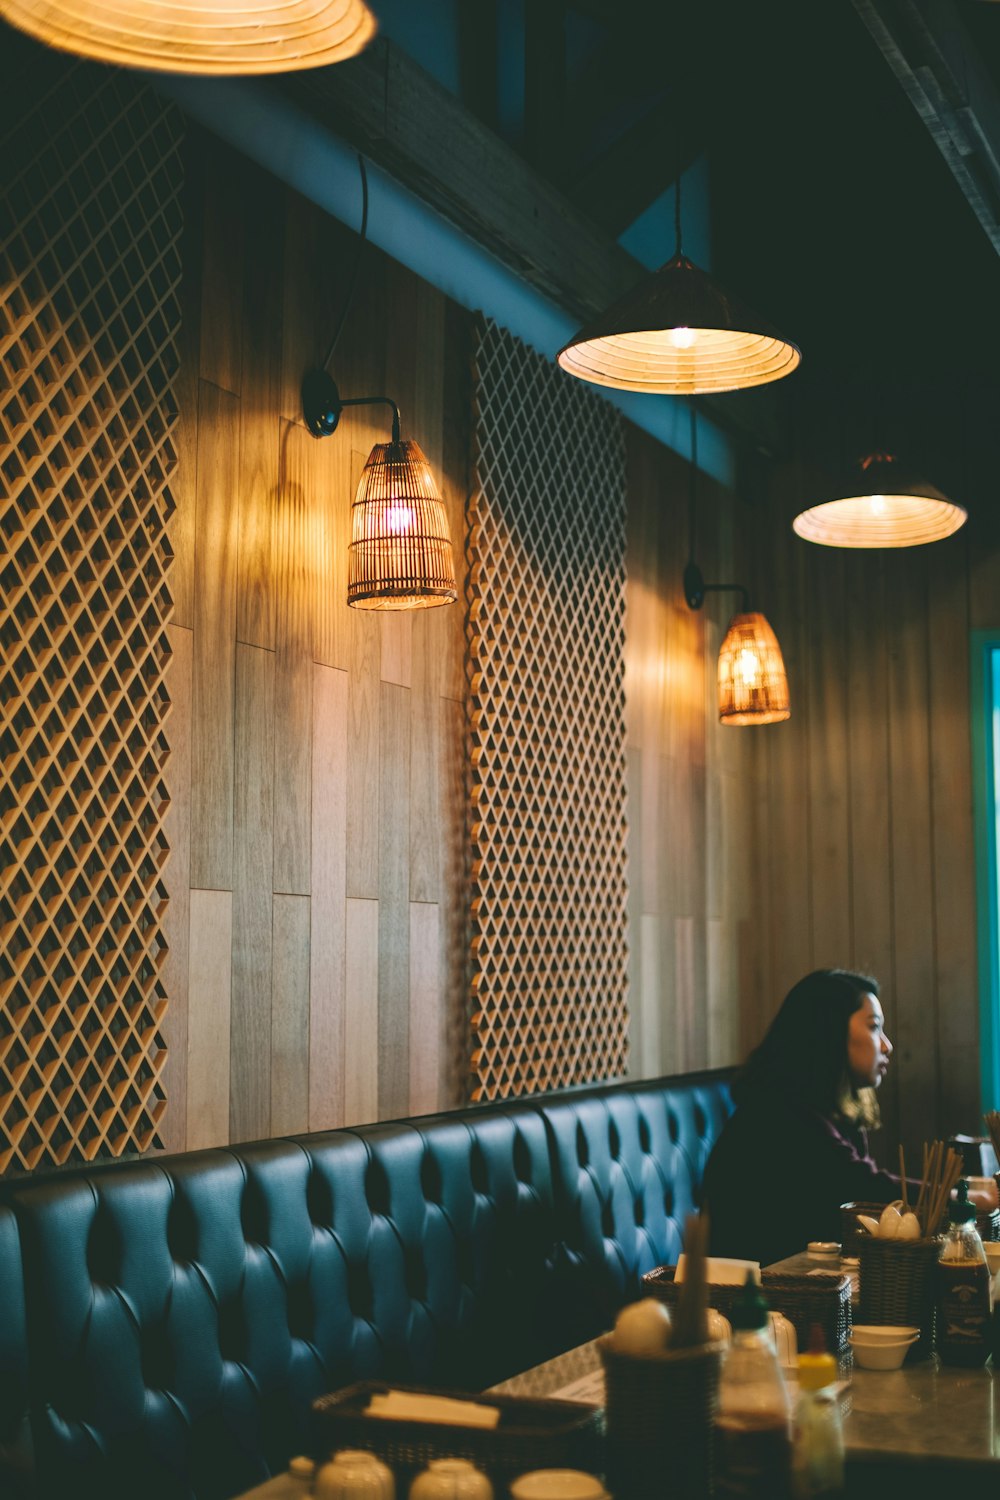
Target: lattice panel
[[547, 642], [89, 242]]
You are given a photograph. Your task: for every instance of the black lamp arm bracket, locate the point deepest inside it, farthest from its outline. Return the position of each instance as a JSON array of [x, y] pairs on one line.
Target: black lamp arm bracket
[[322, 404], [695, 588]]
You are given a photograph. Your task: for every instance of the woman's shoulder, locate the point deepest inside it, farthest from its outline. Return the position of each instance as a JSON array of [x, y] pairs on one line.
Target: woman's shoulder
[[761, 1122]]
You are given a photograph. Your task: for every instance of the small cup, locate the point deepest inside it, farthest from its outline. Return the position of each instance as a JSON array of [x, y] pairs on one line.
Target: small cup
[[451, 1479], [557, 1484], [783, 1336], [720, 1330], [354, 1474]]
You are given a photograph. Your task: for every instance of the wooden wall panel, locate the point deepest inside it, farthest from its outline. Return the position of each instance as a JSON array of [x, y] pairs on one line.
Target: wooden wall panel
[[868, 861], [691, 780], [318, 925], [253, 861], [328, 937], [290, 1051], [426, 989], [209, 1010]]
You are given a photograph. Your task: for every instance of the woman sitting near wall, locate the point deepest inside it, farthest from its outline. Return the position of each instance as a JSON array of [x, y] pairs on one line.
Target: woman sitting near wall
[[796, 1147]]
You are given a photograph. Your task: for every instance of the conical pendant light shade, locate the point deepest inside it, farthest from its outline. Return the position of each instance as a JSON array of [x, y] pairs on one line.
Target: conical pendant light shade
[[214, 36], [753, 687], [400, 555], [886, 505], [679, 333]]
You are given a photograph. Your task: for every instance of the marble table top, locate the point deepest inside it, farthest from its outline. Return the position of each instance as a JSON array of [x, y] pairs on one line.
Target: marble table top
[[926, 1411]]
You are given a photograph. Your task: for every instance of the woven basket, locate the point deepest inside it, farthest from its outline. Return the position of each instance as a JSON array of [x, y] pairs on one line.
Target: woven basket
[[660, 1413], [897, 1286], [823, 1298], [531, 1434], [987, 1223]]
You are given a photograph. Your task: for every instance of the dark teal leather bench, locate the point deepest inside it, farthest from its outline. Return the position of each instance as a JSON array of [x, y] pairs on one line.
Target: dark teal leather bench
[[165, 1323]]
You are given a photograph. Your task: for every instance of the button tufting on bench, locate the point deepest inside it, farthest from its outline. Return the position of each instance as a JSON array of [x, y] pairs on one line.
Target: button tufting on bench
[[186, 1310]]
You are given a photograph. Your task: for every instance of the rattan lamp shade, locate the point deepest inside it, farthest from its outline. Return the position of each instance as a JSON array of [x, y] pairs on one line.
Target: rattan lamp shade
[[215, 36], [679, 333], [753, 687], [891, 507], [400, 555]]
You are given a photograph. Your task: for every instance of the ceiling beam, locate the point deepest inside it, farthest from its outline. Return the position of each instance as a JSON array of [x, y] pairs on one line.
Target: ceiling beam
[[384, 104], [933, 57]]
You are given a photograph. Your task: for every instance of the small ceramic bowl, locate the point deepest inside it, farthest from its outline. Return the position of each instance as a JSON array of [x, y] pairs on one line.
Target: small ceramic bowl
[[883, 1356], [883, 1333]]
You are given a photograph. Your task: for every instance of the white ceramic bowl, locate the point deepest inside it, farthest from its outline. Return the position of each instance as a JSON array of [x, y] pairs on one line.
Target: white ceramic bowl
[[882, 1356], [883, 1333]]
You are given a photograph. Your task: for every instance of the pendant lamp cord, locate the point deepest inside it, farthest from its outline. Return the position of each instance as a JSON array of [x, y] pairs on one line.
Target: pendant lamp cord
[[677, 211], [352, 287]]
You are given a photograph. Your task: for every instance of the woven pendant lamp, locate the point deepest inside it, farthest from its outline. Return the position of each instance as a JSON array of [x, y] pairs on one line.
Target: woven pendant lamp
[[213, 37], [679, 333], [886, 505], [753, 686], [400, 554]]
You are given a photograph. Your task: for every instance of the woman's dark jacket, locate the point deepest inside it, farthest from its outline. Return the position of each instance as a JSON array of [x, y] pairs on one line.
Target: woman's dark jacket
[[778, 1174]]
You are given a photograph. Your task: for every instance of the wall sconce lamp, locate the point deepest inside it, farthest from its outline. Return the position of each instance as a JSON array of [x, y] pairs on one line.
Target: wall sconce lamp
[[884, 504], [753, 684], [400, 554], [678, 333], [213, 37]]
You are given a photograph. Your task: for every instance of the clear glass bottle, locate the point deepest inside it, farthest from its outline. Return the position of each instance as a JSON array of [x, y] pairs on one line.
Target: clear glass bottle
[[753, 1428], [962, 1333], [818, 1448]]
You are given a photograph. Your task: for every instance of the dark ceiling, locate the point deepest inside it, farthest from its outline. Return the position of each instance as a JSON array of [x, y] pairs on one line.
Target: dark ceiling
[[833, 213]]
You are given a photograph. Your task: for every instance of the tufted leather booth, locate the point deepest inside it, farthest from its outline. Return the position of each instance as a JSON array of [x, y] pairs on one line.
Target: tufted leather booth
[[165, 1323]]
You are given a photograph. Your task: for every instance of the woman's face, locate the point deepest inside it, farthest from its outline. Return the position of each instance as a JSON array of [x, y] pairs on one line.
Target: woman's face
[[868, 1047]]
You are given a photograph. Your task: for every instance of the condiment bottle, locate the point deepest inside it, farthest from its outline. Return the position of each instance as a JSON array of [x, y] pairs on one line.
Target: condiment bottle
[[753, 1433], [963, 1288], [818, 1450]]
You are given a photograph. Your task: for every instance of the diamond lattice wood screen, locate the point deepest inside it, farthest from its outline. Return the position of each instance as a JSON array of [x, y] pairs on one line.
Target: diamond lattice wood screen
[[547, 641], [89, 241]]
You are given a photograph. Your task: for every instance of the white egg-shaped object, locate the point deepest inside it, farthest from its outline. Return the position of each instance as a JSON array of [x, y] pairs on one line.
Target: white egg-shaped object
[[909, 1227], [889, 1222], [642, 1328]]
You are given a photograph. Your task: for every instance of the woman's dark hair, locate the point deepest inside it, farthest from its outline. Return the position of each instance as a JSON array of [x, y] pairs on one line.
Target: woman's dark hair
[[803, 1057]]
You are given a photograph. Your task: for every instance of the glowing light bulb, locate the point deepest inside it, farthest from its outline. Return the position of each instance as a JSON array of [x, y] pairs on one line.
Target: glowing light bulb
[[682, 338], [876, 504], [748, 666], [399, 519]]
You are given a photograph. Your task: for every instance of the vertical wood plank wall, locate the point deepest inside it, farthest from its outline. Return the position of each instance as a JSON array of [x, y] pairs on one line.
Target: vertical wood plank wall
[[317, 868], [866, 854], [692, 781], [318, 879]]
